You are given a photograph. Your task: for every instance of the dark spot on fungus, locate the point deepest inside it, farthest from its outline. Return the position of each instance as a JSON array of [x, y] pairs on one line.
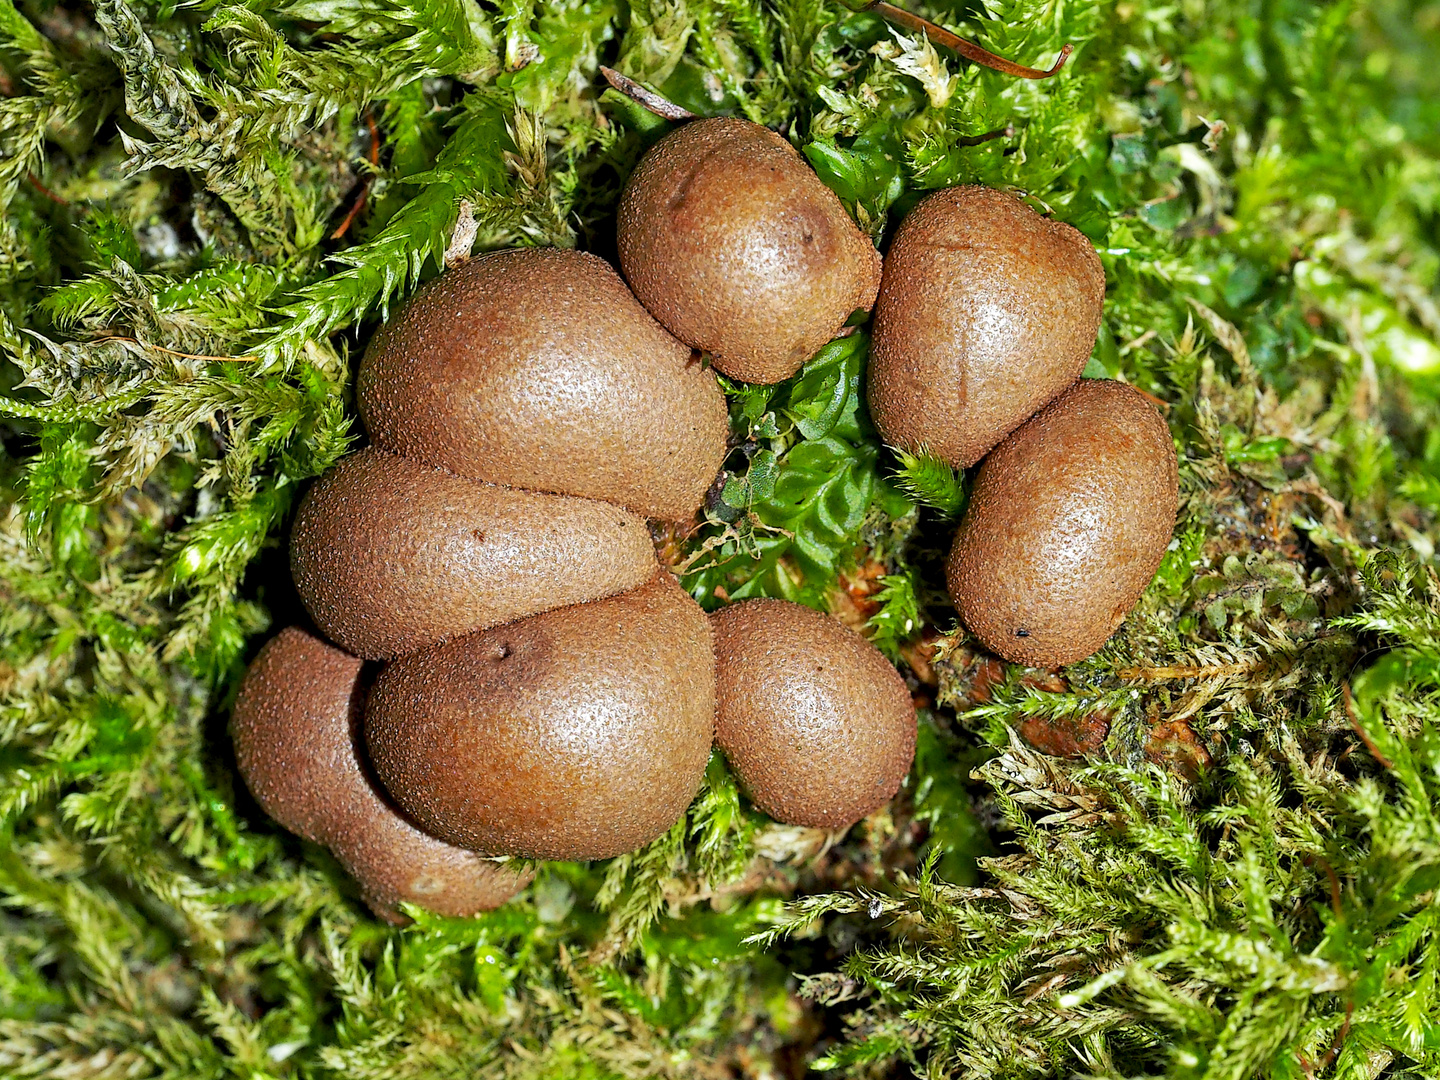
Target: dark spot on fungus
[[297, 743], [383, 554], [1068, 520], [590, 745]]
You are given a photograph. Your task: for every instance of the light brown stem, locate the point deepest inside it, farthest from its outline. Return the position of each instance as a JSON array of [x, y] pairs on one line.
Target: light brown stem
[[1359, 730], [43, 190], [1187, 671], [975, 140], [364, 195], [175, 352], [967, 49]]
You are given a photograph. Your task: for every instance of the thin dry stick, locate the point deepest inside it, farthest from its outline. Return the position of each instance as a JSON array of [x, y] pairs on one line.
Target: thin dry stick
[[1364, 735], [364, 195], [43, 190], [1339, 1041], [1335, 901], [968, 49], [1160, 403], [975, 140], [661, 107]]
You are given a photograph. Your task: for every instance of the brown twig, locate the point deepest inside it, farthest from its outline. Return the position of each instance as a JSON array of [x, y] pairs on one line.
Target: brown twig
[[1315, 860], [1340, 1037], [1160, 403], [364, 195], [648, 99], [43, 190], [975, 140], [968, 49], [1364, 735]]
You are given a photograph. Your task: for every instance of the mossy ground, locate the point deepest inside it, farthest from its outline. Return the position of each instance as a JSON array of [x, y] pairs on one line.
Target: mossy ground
[[1225, 865]]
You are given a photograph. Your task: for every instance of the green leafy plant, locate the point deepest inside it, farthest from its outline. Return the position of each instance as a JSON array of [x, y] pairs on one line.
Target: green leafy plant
[[790, 521]]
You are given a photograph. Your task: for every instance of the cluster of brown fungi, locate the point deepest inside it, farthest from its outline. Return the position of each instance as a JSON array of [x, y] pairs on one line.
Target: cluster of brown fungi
[[501, 671]]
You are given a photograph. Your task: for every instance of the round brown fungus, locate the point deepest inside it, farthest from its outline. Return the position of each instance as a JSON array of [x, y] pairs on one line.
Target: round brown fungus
[[538, 369], [296, 726], [581, 733], [729, 238], [987, 311], [816, 723], [1067, 523], [390, 555]]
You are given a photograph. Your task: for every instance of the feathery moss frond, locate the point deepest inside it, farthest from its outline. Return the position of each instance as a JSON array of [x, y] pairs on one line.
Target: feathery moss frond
[[930, 482]]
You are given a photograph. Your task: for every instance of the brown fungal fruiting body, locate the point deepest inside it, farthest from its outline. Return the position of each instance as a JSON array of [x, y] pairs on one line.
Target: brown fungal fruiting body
[[813, 719], [1067, 523], [538, 369], [581, 733], [296, 727], [729, 238], [986, 312], [390, 555]]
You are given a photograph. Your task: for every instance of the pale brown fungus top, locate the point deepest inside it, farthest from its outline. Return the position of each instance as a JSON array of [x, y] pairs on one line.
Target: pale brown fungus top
[[538, 369], [987, 311], [730, 239]]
